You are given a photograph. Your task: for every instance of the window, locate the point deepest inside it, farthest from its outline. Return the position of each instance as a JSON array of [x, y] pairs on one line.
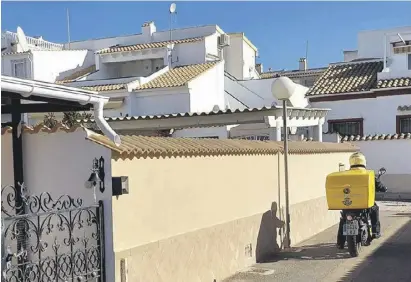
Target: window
[[346, 126], [404, 124], [254, 137], [409, 61], [19, 68]]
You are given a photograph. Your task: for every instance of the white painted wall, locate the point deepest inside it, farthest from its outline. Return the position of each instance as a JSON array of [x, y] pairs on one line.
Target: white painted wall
[[248, 61], [233, 55], [189, 53], [379, 113], [256, 93], [395, 156], [207, 90], [371, 42], [221, 132], [7, 60], [97, 44], [60, 163], [211, 44], [350, 55], [50, 65], [160, 102]]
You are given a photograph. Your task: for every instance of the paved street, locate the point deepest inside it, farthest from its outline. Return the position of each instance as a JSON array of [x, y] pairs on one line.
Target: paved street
[[317, 259]]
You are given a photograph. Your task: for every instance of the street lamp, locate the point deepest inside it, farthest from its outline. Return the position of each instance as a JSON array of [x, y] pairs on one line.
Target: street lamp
[[283, 88]]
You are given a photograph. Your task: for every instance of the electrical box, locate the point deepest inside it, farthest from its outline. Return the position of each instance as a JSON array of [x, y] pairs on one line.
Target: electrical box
[[120, 185]]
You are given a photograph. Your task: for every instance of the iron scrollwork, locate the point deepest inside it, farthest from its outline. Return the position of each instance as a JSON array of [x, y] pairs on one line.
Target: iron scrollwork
[[50, 240]]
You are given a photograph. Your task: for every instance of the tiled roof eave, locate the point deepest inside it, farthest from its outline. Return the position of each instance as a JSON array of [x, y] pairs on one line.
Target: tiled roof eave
[[376, 137], [145, 46]]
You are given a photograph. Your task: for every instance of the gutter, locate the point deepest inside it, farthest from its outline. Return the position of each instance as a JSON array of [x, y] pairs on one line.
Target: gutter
[[27, 88], [393, 88]]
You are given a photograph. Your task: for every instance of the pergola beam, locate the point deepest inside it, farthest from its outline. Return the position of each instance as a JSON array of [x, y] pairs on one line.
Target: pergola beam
[[43, 108]]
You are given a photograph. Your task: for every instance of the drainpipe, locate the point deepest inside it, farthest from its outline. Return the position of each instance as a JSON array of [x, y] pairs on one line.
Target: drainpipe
[[385, 51], [102, 123], [28, 88]]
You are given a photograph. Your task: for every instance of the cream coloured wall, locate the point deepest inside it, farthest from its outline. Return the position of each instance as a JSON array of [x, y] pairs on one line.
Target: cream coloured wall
[[173, 196], [204, 218]]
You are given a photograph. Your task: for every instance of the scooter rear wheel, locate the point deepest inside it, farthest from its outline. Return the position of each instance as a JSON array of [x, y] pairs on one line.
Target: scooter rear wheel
[[353, 245]]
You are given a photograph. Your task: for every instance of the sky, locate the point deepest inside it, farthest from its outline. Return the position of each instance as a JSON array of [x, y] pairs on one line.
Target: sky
[[280, 30]]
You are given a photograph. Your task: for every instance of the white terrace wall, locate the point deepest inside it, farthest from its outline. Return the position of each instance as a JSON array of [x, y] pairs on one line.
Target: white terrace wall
[[200, 218], [395, 156], [60, 163]]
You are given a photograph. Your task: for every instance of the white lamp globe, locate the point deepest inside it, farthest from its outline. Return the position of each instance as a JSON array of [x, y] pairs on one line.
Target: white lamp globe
[[283, 88]]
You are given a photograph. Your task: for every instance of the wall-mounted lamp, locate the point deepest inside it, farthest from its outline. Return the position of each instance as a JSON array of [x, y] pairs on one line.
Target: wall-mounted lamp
[[97, 176]]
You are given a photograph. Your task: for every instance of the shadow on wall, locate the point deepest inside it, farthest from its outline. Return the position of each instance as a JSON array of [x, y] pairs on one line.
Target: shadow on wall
[[267, 245]]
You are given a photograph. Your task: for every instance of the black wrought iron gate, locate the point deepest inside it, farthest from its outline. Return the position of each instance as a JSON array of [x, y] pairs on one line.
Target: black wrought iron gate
[[46, 239]]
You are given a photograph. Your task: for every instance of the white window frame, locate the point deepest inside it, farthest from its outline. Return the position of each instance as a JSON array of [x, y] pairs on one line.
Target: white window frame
[[14, 63]]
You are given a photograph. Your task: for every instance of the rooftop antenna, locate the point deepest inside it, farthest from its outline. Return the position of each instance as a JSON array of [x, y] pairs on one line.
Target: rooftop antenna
[[172, 11], [68, 27], [306, 51], [22, 41]]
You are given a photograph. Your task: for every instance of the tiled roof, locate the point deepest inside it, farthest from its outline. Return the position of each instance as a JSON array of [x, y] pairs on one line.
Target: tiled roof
[[294, 73], [72, 77], [301, 113], [402, 136], [142, 146], [105, 87], [347, 77], [178, 76], [404, 108], [137, 47], [41, 128], [395, 82], [15, 53]]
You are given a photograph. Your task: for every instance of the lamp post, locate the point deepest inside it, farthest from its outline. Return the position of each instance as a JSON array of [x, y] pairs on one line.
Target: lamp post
[[283, 88]]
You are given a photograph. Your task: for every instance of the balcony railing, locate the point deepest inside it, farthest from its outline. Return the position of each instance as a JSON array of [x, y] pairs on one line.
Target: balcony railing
[[35, 43]]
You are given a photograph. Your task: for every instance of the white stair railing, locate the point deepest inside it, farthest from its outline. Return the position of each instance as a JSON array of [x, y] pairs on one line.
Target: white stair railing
[[36, 43]]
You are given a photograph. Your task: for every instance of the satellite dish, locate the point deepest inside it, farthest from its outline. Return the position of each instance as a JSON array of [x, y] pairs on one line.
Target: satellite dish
[[173, 7], [22, 39]]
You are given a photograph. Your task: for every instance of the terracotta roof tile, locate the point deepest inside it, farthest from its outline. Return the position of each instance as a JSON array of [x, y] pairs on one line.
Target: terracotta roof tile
[[72, 77], [395, 82], [137, 47], [42, 128], [402, 136], [142, 146], [105, 87], [294, 73], [15, 53], [347, 77], [178, 76]]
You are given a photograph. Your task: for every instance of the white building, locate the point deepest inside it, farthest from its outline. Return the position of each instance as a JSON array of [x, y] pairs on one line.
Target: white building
[[368, 95], [198, 69]]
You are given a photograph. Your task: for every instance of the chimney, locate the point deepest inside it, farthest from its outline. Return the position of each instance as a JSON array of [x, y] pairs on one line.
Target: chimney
[[259, 68], [147, 29], [303, 64]]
